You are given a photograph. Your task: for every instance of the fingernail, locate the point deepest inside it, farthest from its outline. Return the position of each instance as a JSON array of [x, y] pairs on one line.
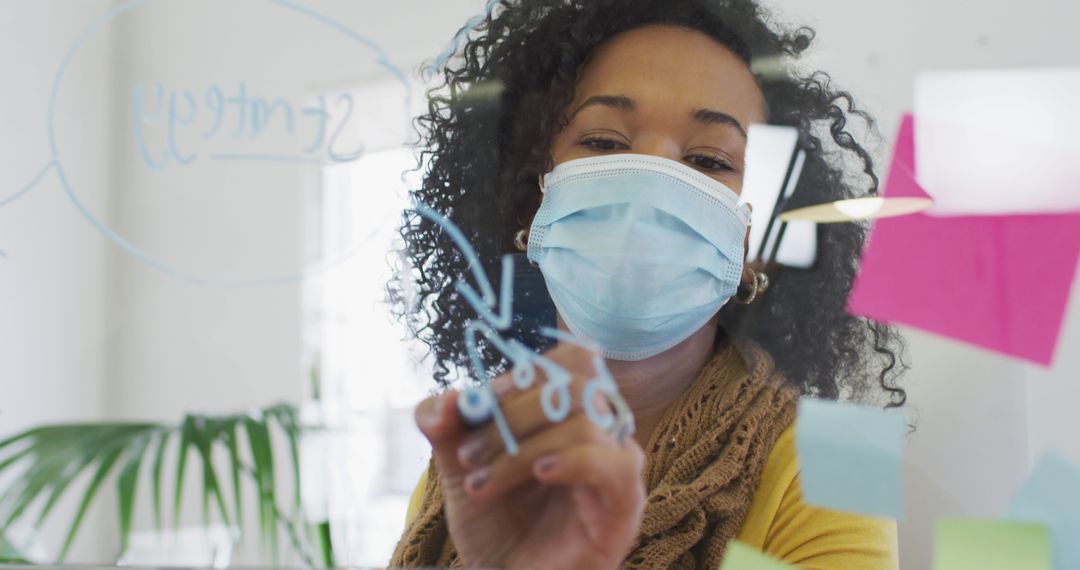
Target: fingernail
[[501, 388], [545, 464], [469, 452], [600, 402], [431, 414], [477, 479]]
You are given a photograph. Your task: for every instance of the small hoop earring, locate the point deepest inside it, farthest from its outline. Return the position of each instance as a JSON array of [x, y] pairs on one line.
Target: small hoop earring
[[761, 282], [758, 284], [521, 240]]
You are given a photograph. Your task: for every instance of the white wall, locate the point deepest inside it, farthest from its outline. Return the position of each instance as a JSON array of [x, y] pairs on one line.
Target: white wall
[[1053, 392], [53, 278]]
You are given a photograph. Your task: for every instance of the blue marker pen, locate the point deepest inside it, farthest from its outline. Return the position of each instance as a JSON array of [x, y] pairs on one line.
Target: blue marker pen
[[476, 406]]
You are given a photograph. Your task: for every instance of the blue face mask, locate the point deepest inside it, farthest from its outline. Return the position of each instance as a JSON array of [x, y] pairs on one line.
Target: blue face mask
[[638, 252]]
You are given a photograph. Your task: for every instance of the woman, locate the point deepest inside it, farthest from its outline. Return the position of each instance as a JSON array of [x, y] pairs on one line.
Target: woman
[[606, 138]]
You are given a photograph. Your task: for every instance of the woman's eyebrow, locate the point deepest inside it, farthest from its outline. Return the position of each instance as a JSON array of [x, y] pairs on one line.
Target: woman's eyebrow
[[620, 102], [624, 103], [714, 117]]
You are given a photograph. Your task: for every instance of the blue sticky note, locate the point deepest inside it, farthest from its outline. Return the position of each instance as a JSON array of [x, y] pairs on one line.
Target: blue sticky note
[[850, 457], [1051, 496]]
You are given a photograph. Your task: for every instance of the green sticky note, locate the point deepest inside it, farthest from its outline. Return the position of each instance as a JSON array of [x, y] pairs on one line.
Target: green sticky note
[[968, 544], [742, 557]]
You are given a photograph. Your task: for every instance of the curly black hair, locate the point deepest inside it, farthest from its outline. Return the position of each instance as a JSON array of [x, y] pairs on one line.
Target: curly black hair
[[486, 138]]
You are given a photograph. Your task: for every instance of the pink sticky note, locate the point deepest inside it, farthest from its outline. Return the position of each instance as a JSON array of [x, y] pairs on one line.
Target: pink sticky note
[[999, 282]]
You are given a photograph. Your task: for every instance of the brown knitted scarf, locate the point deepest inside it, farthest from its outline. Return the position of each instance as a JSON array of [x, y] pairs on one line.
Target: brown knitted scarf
[[703, 464]]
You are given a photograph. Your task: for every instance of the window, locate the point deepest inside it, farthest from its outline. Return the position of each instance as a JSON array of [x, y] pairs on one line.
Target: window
[[360, 471]]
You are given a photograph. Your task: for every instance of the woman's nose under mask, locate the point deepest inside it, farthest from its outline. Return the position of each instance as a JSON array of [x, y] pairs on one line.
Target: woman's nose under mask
[[637, 252]]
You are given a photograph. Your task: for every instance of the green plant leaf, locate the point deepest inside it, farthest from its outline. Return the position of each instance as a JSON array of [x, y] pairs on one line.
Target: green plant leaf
[[58, 488], [43, 462], [106, 464], [198, 434], [205, 435], [286, 418], [60, 454], [155, 476], [187, 429], [19, 437], [15, 457], [326, 545], [9, 554], [27, 489], [261, 452], [125, 487], [41, 447], [232, 442]]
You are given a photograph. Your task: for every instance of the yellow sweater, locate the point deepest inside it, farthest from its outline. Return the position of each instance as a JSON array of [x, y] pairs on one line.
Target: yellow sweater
[[781, 525]]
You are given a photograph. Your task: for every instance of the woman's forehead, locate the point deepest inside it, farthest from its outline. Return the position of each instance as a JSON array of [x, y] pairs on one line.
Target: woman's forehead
[[674, 68]]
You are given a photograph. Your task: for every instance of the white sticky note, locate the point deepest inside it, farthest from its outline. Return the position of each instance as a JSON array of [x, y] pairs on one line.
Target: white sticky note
[[769, 150], [999, 141], [850, 457]]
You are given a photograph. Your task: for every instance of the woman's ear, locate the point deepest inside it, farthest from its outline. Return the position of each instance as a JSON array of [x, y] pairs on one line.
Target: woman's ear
[[746, 245]]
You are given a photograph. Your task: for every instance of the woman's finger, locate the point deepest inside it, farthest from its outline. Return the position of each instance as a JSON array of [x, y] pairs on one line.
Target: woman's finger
[[613, 472], [525, 417], [438, 420], [575, 360], [506, 472], [529, 409]]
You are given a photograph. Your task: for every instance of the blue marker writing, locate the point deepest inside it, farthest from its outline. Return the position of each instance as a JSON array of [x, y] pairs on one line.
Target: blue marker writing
[[174, 111], [140, 117], [176, 118], [478, 405]]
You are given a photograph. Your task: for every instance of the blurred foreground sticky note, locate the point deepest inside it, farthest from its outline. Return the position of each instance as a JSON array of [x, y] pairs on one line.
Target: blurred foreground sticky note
[[1051, 496], [966, 544], [975, 160], [850, 457], [742, 557], [999, 282]]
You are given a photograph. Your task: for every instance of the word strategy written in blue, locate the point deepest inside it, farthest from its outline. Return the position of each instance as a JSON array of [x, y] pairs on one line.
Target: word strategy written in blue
[[221, 114]]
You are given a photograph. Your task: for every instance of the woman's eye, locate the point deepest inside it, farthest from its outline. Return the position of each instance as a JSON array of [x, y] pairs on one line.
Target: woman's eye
[[603, 144], [702, 161], [709, 163]]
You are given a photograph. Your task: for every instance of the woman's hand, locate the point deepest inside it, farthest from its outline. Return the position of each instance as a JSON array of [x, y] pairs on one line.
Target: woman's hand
[[571, 498]]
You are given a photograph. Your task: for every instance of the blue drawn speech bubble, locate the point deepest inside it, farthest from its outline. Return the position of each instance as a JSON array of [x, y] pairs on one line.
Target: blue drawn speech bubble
[[56, 162]]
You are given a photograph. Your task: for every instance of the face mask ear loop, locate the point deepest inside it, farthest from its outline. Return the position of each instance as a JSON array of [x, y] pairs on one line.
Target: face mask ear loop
[[540, 182], [747, 212]]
